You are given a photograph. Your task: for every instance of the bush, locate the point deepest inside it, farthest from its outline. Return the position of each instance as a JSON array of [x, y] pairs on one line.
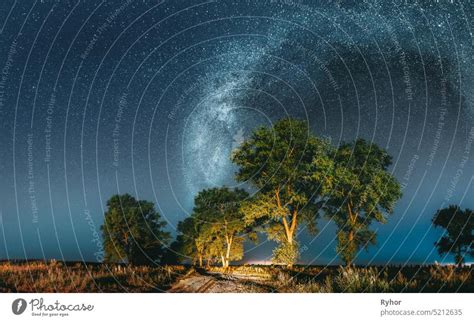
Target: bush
[[353, 280], [286, 253]]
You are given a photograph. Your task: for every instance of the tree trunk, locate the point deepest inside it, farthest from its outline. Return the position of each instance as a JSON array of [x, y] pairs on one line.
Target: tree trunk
[[293, 224], [224, 262], [352, 219], [227, 254], [350, 238], [290, 229], [200, 260], [289, 237]]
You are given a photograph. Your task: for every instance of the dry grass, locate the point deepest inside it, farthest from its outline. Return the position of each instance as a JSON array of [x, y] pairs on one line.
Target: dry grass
[[320, 279], [81, 277], [317, 279]]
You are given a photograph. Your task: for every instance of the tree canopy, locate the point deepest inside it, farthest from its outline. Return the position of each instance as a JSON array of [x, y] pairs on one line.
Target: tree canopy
[[359, 190], [459, 227], [189, 243], [133, 231], [277, 161], [216, 229]]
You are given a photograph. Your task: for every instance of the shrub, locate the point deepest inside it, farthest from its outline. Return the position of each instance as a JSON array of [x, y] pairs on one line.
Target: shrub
[[353, 280], [286, 253]]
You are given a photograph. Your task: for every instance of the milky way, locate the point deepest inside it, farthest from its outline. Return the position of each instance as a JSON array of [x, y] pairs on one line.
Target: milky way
[[292, 47]]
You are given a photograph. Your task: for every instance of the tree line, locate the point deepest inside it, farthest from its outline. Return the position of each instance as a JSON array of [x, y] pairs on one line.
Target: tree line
[[294, 177]]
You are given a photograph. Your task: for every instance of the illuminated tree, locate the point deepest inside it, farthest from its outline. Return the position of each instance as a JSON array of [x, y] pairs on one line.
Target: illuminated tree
[[277, 161], [221, 222], [216, 229]]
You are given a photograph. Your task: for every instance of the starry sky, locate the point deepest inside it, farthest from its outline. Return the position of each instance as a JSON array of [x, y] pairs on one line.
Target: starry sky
[[150, 98]]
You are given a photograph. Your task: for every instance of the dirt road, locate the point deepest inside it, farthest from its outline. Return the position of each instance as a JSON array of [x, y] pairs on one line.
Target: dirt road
[[217, 283]]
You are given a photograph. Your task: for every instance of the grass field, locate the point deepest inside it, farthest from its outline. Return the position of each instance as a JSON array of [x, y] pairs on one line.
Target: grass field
[[68, 277], [56, 276], [314, 279]]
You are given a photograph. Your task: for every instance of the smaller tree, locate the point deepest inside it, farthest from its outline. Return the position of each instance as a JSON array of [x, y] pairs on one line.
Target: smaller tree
[[172, 254], [133, 231], [359, 191], [221, 221], [190, 242], [216, 230], [458, 238]]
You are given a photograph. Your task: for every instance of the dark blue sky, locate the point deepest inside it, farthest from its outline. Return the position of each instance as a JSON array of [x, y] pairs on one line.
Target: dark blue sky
[[150, 97]]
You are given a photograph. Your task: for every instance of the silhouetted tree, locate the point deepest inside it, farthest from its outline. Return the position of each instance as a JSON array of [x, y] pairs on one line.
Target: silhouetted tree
[[172, 254], [359, 190], [190, 241], [277, 161], [133, 231], [458, 237]]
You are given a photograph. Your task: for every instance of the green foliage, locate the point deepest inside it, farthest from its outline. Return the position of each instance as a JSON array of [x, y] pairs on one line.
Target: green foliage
[[359, 191], [348, 248], [296, 175], [277, 161], [286, 253], [133, 231], [188, 243], [459, 227], [215, 231]]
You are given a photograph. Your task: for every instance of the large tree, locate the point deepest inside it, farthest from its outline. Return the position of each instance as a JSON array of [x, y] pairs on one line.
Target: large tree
[[359, 190], [277, 161], [459, 227], [133, 231]]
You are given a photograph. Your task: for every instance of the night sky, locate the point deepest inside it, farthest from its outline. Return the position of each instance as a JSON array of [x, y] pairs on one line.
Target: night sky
[[150, 97]]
